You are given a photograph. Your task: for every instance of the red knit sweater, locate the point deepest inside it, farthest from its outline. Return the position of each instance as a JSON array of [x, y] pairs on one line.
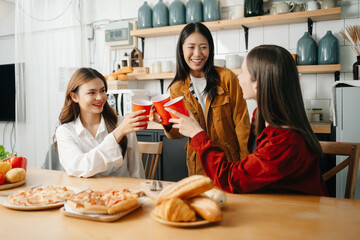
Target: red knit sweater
[[281, 162]]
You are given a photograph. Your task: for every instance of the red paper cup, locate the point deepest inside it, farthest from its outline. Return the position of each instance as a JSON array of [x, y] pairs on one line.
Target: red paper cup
[[178, 105], [140, 104], [159, 102]]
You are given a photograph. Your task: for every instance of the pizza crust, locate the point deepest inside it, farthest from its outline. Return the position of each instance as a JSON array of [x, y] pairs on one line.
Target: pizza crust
[[87, 208], [123, 205]]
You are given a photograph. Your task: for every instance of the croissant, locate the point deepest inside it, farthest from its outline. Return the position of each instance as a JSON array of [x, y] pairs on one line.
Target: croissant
[[175, 210], [207, 208]]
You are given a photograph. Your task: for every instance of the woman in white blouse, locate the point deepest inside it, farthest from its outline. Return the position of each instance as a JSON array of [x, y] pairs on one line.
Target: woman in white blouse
[[92, 139]]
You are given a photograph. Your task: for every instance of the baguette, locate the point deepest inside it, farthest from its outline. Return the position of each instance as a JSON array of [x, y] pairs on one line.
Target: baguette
[[125, 70], [175, 210], [122, 77], [186, 188], [206, 208]]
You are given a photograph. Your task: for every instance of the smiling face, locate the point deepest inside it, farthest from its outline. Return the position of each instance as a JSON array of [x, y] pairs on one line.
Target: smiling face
[[249, 87], [91, 97], [196, 53]]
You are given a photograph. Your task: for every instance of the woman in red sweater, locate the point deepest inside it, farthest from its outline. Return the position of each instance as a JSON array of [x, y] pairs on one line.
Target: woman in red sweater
[[287, 154]]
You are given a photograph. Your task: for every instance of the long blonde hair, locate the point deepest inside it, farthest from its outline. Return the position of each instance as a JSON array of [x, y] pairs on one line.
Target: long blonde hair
[[71, 109]]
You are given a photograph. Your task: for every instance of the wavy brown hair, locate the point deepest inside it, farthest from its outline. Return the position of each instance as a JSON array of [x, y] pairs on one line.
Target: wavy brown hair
[[279, 96], [71, 109]]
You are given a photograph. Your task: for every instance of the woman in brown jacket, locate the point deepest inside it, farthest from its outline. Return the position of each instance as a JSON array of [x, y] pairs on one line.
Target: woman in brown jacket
[[211, 93]]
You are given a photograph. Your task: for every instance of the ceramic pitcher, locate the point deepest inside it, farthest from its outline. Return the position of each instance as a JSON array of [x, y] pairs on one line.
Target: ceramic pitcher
[[328, 52], [306, 50], [160, 15], [145, 16], [284, 7], [177, 13], [253, 8], [311, 6], [325, 4], [194, 11], [212, 10]]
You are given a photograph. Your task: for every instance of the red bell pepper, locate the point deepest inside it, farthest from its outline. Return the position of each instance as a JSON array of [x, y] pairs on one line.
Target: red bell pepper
[[18, 162]]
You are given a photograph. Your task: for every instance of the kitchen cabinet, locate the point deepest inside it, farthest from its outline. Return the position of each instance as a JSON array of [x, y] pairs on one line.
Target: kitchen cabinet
[[172, 165]]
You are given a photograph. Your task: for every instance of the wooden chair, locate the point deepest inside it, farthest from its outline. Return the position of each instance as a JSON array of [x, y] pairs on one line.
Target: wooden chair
[[152, 151], [352, 150]]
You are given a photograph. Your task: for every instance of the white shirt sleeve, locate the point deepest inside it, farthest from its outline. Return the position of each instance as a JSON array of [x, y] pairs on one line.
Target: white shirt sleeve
[[86, 164]]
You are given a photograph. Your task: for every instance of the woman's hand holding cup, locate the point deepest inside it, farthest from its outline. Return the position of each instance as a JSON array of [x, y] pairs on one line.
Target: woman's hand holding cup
[[133, 122], [188, 126]]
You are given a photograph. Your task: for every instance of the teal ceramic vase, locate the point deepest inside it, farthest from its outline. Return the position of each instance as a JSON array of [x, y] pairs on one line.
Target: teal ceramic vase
[[328, 52], [212, 10], [177, 13], [160, 15], [145, 16], [306, 50], [194, 11]]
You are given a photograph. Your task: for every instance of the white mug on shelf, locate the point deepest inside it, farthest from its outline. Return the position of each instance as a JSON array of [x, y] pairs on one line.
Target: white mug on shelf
[[284, 7], [233, 61], [219, 62], [156, 67], [167, 66]]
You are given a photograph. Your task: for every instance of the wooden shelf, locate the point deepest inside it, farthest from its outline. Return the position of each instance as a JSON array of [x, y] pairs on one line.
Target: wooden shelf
[[330, 68], [151, 76], [249, 22]]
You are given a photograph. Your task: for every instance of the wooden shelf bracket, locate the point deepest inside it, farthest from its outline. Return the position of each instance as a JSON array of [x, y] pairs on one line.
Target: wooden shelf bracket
[[310, 26], [246, 32], [162, 86], [142, 46]]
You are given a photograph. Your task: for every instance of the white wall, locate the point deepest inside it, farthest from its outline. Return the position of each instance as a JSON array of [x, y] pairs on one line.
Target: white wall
[[7, 55]]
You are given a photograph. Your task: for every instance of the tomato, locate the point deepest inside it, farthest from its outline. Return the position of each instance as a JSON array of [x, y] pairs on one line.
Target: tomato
[[18, 162], [2, 178]]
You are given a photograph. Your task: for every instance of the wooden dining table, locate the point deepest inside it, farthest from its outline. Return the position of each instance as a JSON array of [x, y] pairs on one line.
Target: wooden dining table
[[245, 216]]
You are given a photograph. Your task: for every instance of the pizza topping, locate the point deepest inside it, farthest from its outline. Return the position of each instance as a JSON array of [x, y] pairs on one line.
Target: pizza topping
[[40, 196], [109, 201]]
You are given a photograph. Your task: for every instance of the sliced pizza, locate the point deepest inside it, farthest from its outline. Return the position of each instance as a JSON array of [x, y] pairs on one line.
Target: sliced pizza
[[103, 202], [40, 196]]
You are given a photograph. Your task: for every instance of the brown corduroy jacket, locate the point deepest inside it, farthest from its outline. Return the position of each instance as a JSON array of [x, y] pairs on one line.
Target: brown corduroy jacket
[[227, 117]]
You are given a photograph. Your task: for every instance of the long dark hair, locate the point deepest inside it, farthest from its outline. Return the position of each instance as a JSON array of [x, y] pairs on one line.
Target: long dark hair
[[183, 70], [71, 109], [279, 96]]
